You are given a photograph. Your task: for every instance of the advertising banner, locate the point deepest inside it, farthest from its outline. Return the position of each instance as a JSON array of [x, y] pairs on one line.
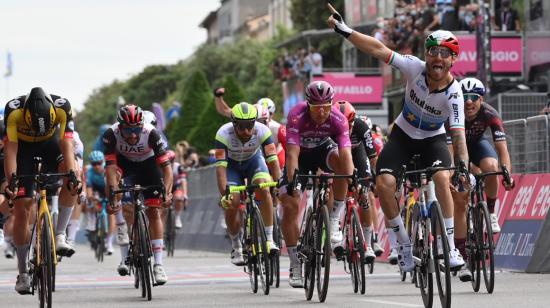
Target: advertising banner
[[355, 88], [506, 55], [537, 50]]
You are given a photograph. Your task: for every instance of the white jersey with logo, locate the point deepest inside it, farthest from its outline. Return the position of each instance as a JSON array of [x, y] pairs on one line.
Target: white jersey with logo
[[138, 152], [227, 139], [424, 113]]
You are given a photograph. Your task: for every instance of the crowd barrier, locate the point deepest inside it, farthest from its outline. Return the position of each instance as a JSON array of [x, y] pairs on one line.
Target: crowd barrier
[[523, 244]]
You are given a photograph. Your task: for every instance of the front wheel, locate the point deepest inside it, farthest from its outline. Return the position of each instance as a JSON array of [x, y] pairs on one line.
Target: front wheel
[[45, 268], [358, 253], [323, 252], [486, 247], [441, 255], [262, 255]]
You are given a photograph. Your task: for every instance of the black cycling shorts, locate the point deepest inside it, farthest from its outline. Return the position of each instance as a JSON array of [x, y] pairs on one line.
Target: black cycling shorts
[[51, 158], [144, 173], [400, 149], [312, 160]]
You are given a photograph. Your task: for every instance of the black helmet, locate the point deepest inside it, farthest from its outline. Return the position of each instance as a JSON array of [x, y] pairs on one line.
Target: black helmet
[[38, 111]]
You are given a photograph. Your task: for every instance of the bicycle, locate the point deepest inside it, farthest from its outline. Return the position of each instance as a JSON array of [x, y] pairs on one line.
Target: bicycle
[[101, 228], [44, 257], [140, 251], [314, 250], [429, 238], [479, 239], [256, 254], [170, 230]]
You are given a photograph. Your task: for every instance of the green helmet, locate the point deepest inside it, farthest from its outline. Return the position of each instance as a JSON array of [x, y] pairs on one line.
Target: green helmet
[[243, 112]]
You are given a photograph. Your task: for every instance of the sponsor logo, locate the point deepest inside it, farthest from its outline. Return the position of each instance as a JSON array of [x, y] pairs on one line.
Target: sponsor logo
[[455, 113], [60, 102], [436, 163], [41, 125], [14, 104], [430, 109], [386, 170], [454, 95], [131, 149]]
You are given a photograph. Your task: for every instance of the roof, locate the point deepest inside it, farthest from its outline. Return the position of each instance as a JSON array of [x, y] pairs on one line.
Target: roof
[[207, 21]]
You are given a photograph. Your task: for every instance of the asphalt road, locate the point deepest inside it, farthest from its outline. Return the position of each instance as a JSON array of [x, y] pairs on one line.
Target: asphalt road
[[204, 279]]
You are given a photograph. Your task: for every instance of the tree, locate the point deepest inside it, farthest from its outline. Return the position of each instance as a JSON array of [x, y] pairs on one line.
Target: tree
[[153, 84], [202, 136], [196, 93]]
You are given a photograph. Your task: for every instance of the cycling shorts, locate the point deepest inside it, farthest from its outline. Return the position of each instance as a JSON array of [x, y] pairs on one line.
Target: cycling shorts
[[480, 149], [144, 173], [250, 169], [400, 149]]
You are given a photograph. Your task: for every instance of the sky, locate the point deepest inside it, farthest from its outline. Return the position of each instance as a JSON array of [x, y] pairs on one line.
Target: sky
[[70, 48]]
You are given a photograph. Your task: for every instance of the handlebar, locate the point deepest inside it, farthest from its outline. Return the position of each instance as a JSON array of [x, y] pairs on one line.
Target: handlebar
[[236, 189]]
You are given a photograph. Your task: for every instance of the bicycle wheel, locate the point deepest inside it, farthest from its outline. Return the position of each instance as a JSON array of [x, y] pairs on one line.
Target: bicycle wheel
[[144, 257], [358, 249], [170, 232], [45, 268], [349, 253], [421, 245], [275, 256], [441, 255], [486, 247], [262, 255], [101, 233], [250, 259], [472, 247], [306, 250], [323, 252]]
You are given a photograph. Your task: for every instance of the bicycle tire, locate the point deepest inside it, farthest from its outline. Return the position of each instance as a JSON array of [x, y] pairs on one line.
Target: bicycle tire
[[250, 262], [262, 258], [170, 232], [359, 249], [45, 268], [306, 249], [145, 262], [421, 245], [472, 247], [487, 258], [438, 227], [349, 252], [101, 233], [275, 256], [323, 252]]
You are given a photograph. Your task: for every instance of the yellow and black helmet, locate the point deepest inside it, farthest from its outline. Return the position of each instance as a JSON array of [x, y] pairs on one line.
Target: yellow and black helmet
[[39, 111], [243, 112]]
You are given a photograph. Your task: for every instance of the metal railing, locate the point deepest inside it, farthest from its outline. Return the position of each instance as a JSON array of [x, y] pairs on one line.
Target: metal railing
[[512, 106], [529, 144]]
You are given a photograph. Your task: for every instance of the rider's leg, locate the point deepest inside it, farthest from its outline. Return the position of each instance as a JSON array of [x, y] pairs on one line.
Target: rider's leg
[[289, 224], [266, 207], [21, 231], [490, 164], [156, 230], [233, 216], [460, 200], [74, 223], [386, 188], [443, 194]]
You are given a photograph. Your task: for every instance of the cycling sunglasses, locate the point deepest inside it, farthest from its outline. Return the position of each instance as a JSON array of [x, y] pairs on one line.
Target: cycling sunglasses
[[317, 108], [442, 51], [473, 97], [128, 130], [244, 125], [97, 163]]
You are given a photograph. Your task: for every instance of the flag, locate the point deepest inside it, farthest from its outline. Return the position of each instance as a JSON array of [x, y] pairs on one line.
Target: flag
[[9, 66]]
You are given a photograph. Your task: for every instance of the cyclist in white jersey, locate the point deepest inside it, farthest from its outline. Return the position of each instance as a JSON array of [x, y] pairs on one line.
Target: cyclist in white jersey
[[432, 97]]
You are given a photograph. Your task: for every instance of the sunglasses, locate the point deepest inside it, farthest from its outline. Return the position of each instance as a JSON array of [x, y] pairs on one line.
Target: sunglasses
[[443, 52], [317, 108], [244, 125], [97, 163], [472, 97], [126, 130]]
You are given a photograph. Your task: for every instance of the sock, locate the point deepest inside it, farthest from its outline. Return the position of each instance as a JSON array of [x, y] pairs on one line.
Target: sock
[[157, 250], [123, 253], [63, 219], [269, 233], [8, 239], [72, 228], [392, 238], [22, 252], [367, 232], [293, 255], [337, 209], [178, 213], [491, 204], [450, 227], [461, 246], [54, 204], [398, 228], [235, 241], [109, 241], [119, 218]]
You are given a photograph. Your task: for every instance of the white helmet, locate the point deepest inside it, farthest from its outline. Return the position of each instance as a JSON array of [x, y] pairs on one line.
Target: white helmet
[[149, 117], [472, 85], [263, 112], [268, 103]]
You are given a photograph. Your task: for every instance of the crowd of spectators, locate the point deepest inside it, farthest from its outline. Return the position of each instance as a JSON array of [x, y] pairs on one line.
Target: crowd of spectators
[[300, 64], [188, 156]]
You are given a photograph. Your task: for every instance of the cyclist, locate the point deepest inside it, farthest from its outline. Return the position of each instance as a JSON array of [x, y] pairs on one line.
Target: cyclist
[[32, 124], [240, 150], [317, 138], [363, 153], [278, 130], [432, 97], [480, 116], [136, 148]]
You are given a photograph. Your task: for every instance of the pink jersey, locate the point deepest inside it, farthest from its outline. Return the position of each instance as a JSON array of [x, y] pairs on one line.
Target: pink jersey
[[303, 131]]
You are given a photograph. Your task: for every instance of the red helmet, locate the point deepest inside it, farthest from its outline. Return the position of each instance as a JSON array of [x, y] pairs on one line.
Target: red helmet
[[319, 91], [347, 110], [130, 115]]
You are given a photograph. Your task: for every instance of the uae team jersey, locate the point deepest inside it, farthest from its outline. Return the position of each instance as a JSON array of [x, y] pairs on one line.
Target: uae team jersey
[[303, 131], [425, 113]]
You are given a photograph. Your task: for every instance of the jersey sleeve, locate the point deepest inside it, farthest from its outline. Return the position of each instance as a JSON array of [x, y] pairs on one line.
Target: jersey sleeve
[[159, 148], [89, 177], [109, 147], [221, 146], [410, 66], [268, 146], [11, 115], [456, 107], [366, 138], [64, 115], [293, 127]]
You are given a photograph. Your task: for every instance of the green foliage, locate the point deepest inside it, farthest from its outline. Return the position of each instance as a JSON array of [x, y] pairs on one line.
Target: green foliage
[[196, 94], [312, 14], [153, 84]]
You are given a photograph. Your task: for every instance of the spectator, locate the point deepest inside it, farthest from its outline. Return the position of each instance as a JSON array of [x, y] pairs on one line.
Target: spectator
[[316, 61], [507, 18], [211, 156]]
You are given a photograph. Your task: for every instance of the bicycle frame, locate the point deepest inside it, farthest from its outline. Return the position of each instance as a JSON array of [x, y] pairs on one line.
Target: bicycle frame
[[43, 210]]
